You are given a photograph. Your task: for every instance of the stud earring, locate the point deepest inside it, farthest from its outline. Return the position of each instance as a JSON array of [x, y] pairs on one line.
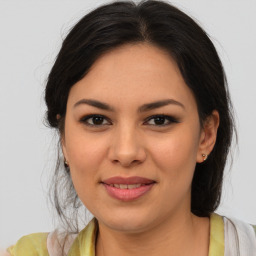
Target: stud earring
[[205, 156], [66, 163]]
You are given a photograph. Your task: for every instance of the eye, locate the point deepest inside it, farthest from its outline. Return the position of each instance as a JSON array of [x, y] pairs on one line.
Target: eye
[[161, 120], [95, 120]]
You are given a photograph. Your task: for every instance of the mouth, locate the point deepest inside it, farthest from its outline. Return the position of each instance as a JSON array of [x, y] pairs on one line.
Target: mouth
[[126, 186], [128, 189]]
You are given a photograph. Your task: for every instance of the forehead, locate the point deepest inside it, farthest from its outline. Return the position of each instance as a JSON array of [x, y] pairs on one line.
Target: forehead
[[133, 73]]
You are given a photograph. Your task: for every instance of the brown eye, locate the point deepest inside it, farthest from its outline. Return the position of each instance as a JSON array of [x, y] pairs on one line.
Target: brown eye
[[95, 120], [161, 120]]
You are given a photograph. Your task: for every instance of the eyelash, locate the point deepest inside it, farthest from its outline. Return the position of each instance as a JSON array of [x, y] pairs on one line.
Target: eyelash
[[170, 120]]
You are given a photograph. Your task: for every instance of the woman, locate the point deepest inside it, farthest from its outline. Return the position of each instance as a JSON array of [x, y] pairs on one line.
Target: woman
[[139, 97]]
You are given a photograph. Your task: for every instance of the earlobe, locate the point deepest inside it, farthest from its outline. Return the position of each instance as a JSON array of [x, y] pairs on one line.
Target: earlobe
[[64, 152], [208, 136], [205, 156]]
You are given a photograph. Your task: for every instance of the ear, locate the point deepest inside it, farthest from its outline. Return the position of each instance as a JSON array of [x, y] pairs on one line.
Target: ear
[[62, 139], [208, 136], [63, 148]]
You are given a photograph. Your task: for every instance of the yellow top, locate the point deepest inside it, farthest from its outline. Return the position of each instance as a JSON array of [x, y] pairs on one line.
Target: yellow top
[[216, 236], [84, 244]]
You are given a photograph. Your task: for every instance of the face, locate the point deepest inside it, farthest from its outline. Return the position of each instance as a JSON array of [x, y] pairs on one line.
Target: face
[[132, 139]]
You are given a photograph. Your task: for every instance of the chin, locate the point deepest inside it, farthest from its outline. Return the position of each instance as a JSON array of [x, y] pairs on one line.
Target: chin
[[129, 222]]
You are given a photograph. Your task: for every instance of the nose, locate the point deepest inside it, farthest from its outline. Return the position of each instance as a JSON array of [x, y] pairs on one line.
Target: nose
[[126, 147]]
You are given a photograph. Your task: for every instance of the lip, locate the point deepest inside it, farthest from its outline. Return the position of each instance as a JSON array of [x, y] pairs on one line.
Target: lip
[[128, 180], [128, 194]]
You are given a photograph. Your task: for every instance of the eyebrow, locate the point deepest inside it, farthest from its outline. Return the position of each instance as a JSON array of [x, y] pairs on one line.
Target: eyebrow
[[143, 108], [94, 103], [158, 104]]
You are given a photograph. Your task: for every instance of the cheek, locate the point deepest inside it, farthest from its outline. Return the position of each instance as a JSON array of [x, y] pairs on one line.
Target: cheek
[[176, 160], [176, 154], [84, 150], [85, 155]]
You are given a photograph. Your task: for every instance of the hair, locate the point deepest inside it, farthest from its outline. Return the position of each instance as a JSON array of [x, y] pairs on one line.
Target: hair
[[166, 27]]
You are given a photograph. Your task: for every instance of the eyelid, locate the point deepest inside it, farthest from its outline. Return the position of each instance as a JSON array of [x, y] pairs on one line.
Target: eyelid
[[170, 119], [84, 120]]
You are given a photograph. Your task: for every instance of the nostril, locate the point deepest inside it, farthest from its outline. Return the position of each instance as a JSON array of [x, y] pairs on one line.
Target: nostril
[[126, 163]]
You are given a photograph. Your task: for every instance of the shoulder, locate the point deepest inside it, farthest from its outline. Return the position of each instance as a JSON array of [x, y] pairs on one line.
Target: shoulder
[[30, 245], [56, 243], [229, 236], [239, 236], [84, 244], [232, 224], [239, 226]]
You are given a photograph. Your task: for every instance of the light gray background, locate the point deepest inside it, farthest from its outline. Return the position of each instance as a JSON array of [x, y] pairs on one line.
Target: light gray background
[[30, 36]]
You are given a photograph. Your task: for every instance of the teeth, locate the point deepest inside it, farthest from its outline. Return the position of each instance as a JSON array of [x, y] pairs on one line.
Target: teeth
[[131, 186], [125, 186]]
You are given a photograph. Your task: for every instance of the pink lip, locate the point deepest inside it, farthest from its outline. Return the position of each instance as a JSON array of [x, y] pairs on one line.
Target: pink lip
[[128, 194], [128, 180]]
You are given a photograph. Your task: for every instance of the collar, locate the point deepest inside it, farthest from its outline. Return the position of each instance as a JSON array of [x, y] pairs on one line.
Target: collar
[[84, 244]]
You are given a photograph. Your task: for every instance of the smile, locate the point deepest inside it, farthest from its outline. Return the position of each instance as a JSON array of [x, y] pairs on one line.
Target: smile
[[126, 186], [127, 189]]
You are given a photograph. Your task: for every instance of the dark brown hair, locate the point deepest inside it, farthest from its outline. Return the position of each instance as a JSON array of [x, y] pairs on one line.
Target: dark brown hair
[[164, 26]]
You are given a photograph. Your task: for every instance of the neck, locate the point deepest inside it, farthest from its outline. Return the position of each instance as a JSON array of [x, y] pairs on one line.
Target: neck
[[166, 238]]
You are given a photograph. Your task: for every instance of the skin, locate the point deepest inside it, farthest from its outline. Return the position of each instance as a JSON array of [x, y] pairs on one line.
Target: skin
[[127, 143]]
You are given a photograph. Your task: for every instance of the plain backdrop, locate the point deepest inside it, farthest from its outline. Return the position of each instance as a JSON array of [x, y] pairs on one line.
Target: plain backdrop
[[31, 33]]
